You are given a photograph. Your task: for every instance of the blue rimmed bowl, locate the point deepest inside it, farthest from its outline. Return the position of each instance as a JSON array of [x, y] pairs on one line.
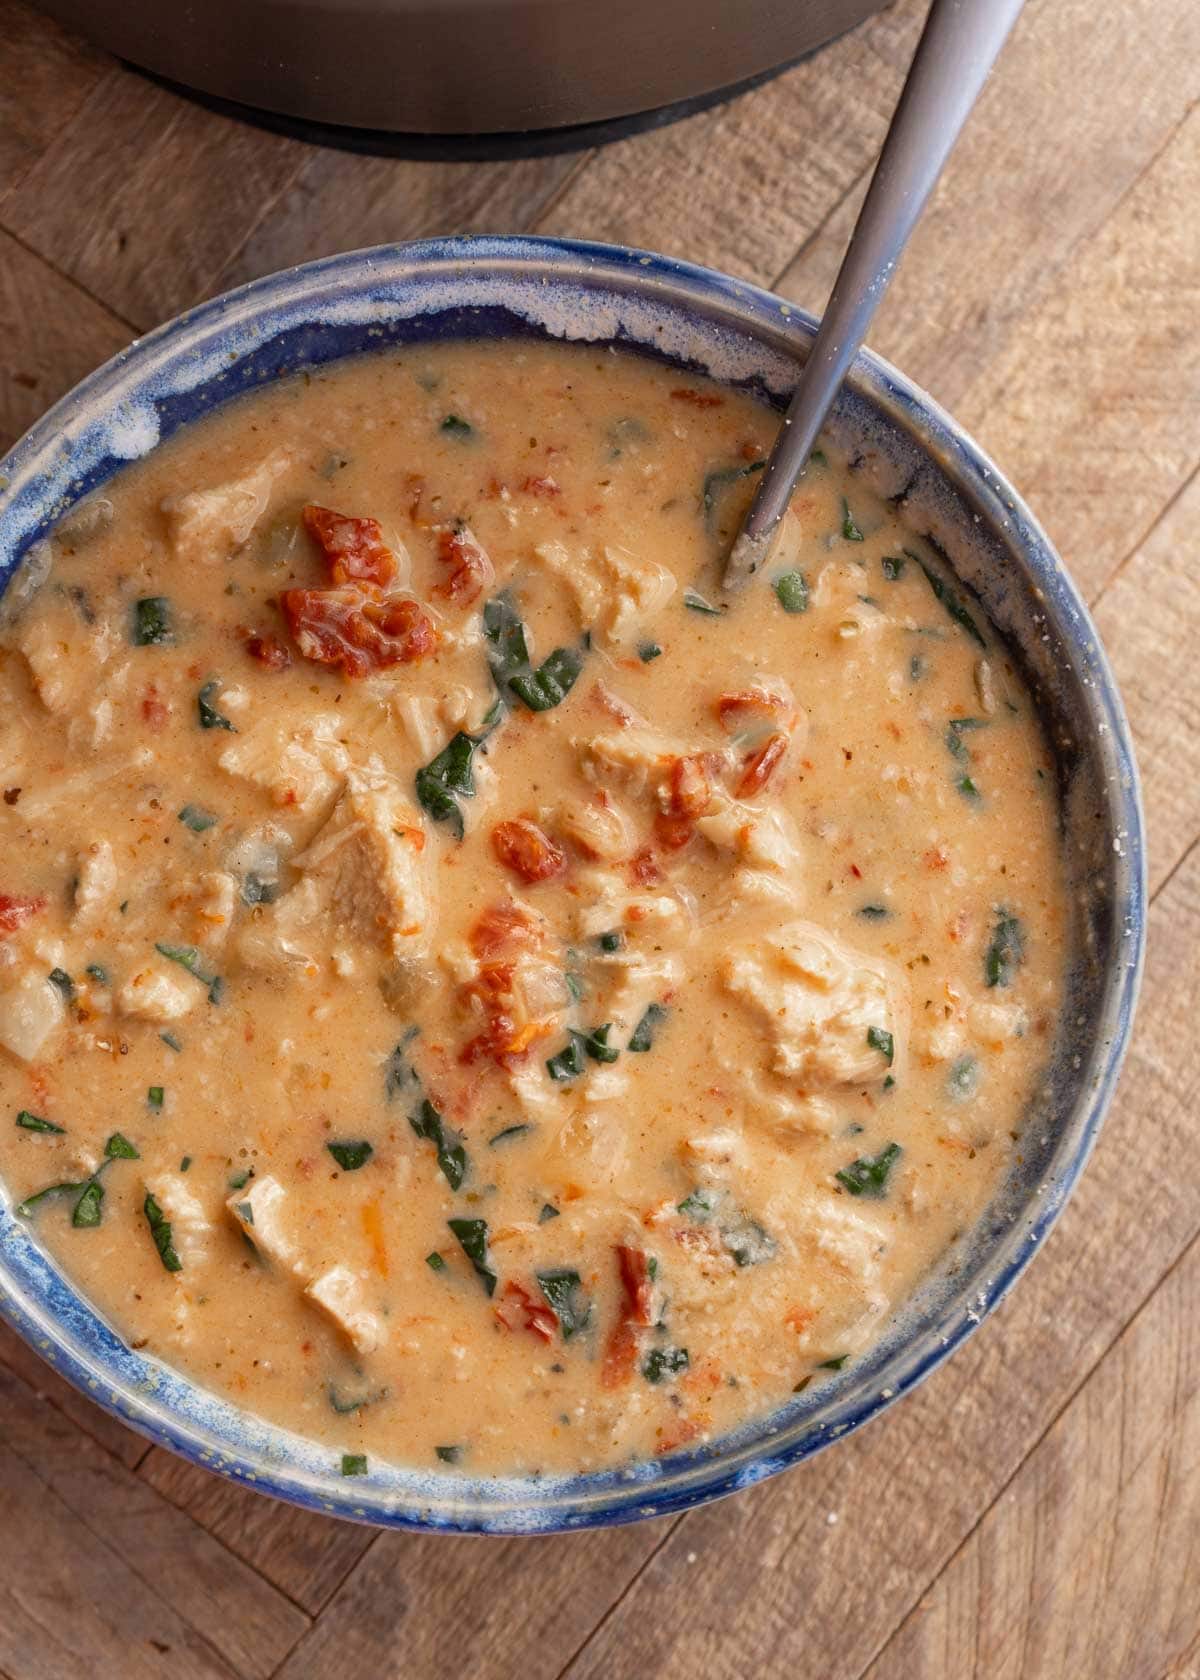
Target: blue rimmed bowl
[[947, 489]]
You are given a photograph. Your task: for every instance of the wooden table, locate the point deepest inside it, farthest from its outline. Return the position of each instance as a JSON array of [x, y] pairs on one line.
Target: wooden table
[[1034, 1510]]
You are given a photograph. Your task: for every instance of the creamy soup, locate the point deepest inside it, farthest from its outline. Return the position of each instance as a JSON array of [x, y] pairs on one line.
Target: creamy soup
[[470, 992]]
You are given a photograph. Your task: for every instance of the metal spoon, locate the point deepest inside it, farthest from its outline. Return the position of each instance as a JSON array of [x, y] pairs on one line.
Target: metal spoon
[[957, 48]]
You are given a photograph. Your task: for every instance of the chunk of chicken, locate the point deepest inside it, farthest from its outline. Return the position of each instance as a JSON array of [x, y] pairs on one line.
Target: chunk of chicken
[[259, 1210], [206, 526], [597, 826], [95, 884], [191, 1228], [301, 768], [364, 882], [157, 992], [30, 1011], [339, 1293], [617, 594], [822, 1005], [67, 656]]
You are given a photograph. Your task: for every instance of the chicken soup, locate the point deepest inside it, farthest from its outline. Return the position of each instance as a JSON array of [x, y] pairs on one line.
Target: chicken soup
[[470, 991]]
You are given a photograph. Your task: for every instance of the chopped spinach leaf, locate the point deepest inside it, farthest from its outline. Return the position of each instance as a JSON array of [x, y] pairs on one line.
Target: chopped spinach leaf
[[435, 1262], [210, 717], [850, 530], [354, 1464], [86, 1211], [449, 1455], [239, 1180], [196, 818], [256, 890], [720, 480], [612, 941], [868, 1176], [949, 599], [568, 1063], [563, 1290], [648, 651], [818, 458], [351, 1156], [187, 956], [893, 567], [693, 599], [880, 1039], [155, 1095], [185, 1163], [400, 1078], [540, 689], [119, 1148], [456, 426], [160, 1230], [963, 1079], [1006, 952], [35, 1123], [791, 591], [171, 1042], [427, 1123], [345, 1404], [873, 912], [446, 779], [96, 973], [59, 978], [549, 1211], [745, 1240], [643, 1035], [662, 1363], [151, 620], [699, 1205], [472, 1237], [29, 1206], [245, 1212], [966, 786], [508, 1133], [597, 1046], [833, 1364], [574, 984]]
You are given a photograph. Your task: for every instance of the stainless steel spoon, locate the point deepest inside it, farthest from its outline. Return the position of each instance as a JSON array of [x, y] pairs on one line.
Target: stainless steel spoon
[[957, 48]]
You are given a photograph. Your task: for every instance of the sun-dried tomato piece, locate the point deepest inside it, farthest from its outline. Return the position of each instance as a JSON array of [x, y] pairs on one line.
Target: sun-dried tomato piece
[[517, 1309], [734, 709], [502, 930], [359, 632], [268, 650], [636, 1312], [644, 869], [698, 399], [15, 911], [354, 548], [759, 766], [689, 789], [520, 845], [472, 572], [155, 710]]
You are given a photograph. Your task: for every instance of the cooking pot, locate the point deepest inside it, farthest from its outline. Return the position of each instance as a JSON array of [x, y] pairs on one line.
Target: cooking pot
[[580, 68]]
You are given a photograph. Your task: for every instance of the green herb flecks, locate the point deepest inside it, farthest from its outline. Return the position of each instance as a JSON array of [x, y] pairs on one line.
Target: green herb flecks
[[963, 1079], [868, 1176], [791, 591], [836, 1364], [62, 981], [1006, 952], [539, 689], [346, 1404], [873, 912], [197, 818], [880, 1039], [949, 599], [36, 1123], [648, 651], [435, 1262], [155, 1095], [472, 1235], [449, 1455], [171, 1042], [697, 603], [119, 1148], [210, 717], [256, 890], [96, 973], [549, 1211], [568, 1062], [893, 567], [563, 1290], [351, 1156], [152, 621], [354, 1464], [187, 956], [455, 426], [160, 1231], [661, 1364], [400, 1077], [614, 940], [596, 1044], [745, 1240], [185, 1163], [699, 1205], [643, 1035], [86, 1212], [509, 1133], [850, 530], [427, 1123]]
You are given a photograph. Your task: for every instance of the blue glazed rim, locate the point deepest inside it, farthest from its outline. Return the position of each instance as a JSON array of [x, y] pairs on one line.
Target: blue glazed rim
[[695, 318]]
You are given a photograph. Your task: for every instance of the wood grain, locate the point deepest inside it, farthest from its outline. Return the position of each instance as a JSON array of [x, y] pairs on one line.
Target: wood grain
[[147, 221], [55, 332], [138, 1562], [45, 76], [49, 1389]]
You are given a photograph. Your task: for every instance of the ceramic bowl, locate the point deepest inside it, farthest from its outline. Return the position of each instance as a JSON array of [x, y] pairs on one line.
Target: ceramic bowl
[[947, 488]]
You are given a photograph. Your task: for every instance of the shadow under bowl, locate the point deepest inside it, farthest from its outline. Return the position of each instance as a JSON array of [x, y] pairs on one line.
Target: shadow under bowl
[[948, 490]]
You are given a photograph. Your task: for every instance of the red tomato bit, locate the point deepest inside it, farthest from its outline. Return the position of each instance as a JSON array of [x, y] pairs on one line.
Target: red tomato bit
[[472, 572], [520, 845], [16, 911], [760, 765], [519, 1310], [698, 399], [268, 650], [637, 1311], [354, 548], [359, 632]]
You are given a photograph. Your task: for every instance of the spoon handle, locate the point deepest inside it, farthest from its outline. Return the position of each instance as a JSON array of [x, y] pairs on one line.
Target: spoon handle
[[957, 48]]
